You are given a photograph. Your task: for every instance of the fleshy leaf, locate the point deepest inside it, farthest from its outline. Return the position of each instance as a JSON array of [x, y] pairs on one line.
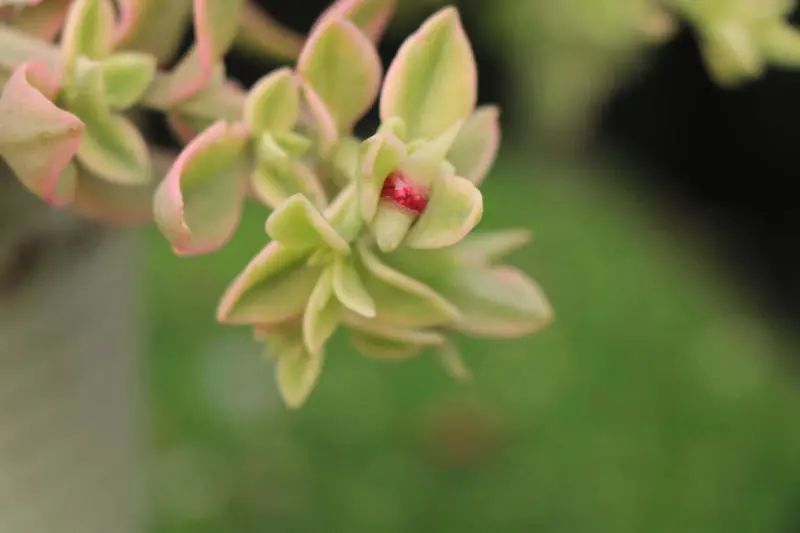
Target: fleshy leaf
[[475, 147], [126, 76], [88, 31], [380, 155], [198, 204], [323, 120], [452, 362], [274, 188], [273, 288], [343, 213], [350, 290], [112, 147], [401, 300], [454, 208], [273, 103], [38, 140], [298, 224], [390, 225], [392, 332], [215, 26], [382, 348], [372, 16], [344, 69], [487, 247], [432, 82], [297, 372], [424, 164], [149, 26], [497, 302], [321, 316]]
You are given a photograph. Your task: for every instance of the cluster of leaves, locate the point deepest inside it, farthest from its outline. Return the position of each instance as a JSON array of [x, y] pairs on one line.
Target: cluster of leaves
[[601, 42], [371, 236], [740, 38]]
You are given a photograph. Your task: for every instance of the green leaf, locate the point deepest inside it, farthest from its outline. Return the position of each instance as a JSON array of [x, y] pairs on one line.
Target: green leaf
[[350, 290], [344, 69], [198, 204], [272, 289], [451, 361], [273, 104], [343, 213], [371, 16], [273, 187], [382, 348], [112, 147], [149, 26], [37, 139], [428, 158], [487, 247], [379, 329], [731, 53], [298, 224], [454, 208], [380, 155], [390, 225], [496, 302], [432, 81], [88, 31], [297, 373], [321, 316], [400, 300], [476, 145], [126, 76], [324, 123], [215, 25]]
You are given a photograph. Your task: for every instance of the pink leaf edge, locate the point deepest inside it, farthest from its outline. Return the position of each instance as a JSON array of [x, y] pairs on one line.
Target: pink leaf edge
[[169, 203]]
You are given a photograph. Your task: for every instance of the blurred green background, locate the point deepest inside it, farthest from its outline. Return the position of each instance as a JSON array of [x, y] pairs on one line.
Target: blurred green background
[[660, 400]]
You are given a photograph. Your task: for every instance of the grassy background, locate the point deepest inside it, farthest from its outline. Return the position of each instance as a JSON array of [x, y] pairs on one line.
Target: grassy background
[[658, 401]]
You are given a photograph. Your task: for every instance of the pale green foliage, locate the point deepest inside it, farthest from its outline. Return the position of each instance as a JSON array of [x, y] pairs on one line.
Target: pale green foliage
[[353, 221]]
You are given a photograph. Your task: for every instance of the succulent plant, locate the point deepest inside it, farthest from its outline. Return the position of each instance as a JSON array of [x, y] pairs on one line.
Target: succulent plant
[[372, 236]]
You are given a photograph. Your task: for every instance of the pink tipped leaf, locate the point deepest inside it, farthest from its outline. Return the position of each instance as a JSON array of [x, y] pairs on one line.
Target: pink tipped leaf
[[380, 155], [149, 26], [88, 31], [215, 26], [198, 205], [38, 140], [343, 68], [454, 208], [272, 289], [497, 302], [273, 104], [371, 16], [296, 223], [475, 147], [401, 300], [126, 76], [432, 81], [112, 148]]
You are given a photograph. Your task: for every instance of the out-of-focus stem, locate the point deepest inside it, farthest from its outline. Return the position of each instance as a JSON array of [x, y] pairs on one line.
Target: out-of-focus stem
[[262, 35]]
